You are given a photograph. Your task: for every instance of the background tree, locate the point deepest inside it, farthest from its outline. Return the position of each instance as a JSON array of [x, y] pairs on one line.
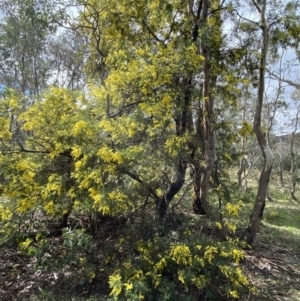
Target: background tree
[[24, 30], [68, 52]]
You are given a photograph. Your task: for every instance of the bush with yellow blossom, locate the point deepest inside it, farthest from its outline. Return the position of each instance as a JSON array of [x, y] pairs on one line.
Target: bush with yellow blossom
[[164, 269]]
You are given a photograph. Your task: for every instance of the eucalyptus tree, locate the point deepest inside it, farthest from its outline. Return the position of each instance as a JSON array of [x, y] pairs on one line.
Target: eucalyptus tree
[[68, 53], [294, 173], [288, 75], [266, 20], [24, 30]]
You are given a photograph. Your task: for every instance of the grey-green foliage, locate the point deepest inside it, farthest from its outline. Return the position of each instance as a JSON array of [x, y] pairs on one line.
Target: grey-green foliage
[[25, 27], [68, 51]]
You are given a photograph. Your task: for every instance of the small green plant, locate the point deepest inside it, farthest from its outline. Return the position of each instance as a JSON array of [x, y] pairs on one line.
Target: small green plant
[[75, 251], [272, 215]]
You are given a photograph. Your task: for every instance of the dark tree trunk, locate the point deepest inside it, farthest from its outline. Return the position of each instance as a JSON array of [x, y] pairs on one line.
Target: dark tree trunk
[[184, 123], [196, 173], [259, 206], [64, 220], [172, 190]]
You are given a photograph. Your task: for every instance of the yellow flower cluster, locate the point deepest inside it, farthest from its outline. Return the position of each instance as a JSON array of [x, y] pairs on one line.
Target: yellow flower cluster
[[5, 213], [79, 128], [25, 244], [209, 253], [218, 225], [23, 165], [233, 209], [110, 156], [230, 226], [273, 214], [137, 274], [117, 196], [181, 276], [199, 281], [234, 294], [24, 205], [237, 255], [160, 265], [115, 284], [5, 133], [49, 207], [76, 151], [99, 204], [128, 286], [235, 275], [181, 254], [28, 176], [241, 278], [144, 248], [173, 144], [54, 185]]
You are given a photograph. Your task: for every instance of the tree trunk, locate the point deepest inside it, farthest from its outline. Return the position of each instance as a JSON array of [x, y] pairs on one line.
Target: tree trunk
[[242, 171], [173, 189], [196, 173], [243, 161], [259, 206], [260, 201], [209, 142], [293, 188], [280, 169], [205, 130], [184, 123]]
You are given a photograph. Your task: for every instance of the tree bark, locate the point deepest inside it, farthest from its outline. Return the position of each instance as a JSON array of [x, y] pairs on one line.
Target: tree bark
[[258, 209], [243, 161], [242, 171], [293, 188], [173, 189], [196, 174], [280, 169], [184, 123], [205, 130]]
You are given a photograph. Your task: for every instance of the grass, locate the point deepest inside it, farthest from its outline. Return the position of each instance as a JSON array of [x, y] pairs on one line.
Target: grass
[[274, 259]]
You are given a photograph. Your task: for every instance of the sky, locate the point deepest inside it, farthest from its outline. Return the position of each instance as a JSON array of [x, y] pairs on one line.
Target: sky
[[288, 69]]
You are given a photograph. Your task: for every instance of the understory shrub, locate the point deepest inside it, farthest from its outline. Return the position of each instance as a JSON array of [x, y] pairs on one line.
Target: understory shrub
[[171, 269]]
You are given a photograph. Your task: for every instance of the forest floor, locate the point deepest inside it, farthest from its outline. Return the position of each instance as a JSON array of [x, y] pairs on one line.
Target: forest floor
[[272, 264]]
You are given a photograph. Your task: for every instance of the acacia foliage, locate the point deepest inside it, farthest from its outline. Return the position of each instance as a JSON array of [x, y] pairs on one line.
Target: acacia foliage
[[65, 161], [97, 145]]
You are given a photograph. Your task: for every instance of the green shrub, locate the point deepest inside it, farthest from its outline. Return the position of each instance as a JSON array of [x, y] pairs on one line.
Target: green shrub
[[164, 269], [74, 251]]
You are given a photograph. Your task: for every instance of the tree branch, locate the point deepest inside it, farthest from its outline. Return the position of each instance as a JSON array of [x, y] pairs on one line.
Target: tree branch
[[151, 32], [139, 180], [290, 82]]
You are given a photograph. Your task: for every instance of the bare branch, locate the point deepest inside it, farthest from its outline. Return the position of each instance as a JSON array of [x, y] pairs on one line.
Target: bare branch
[[139, 180], [290, 82], [256, 6]]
